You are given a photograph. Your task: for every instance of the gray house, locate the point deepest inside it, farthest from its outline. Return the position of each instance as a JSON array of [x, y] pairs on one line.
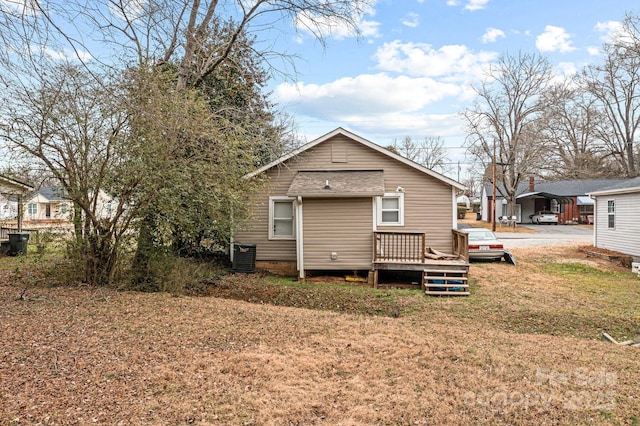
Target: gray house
[[617, 217]]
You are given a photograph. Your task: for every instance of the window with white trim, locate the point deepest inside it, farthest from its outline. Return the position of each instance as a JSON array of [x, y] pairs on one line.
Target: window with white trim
[[390, 209], [281, 218], [32, 208], [611, 212]]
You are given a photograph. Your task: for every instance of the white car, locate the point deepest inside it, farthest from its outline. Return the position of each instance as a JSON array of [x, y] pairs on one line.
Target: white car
[[544, 216], [483, 244]]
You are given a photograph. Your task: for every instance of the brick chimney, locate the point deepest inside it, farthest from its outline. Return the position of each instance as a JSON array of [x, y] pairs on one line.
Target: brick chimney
[[532, 185]]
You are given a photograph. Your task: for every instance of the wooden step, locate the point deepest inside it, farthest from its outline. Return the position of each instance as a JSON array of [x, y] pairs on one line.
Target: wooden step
[[446, 285], [448, 293], [447, 271], [440, 277]]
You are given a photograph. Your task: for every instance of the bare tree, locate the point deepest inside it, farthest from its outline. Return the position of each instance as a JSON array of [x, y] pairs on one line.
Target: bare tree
[[615, 85], [434, 154], [407, 148], [568, 126], [160, 54], [501, 123], [430, 152], [74, 128], [473, 182]]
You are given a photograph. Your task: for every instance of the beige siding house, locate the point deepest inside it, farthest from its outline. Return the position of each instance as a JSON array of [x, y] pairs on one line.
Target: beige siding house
[[332, 203]]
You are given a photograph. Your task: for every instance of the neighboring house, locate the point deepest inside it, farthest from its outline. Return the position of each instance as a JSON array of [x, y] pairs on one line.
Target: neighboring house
[[337, 202], [567, 198], [48, 204], [12, 191], [617, 217], [51, 205], [8, 208]]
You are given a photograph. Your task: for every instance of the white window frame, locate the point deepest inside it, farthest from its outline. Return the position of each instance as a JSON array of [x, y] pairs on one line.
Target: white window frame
[[400, 197], [32, 209], [272, 201], [611, 213]]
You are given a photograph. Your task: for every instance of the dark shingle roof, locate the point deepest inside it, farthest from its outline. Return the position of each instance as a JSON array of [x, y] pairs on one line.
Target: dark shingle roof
[[340, 183], [623, 184], [53, 193], [564, 188]]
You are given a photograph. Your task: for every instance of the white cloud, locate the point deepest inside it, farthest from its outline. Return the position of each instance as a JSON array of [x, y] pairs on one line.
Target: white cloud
[[128, 9], [411, 20], [471, 5], [28, 8], [452, 62], [66, 54], [476, 4], [365, 94], [566, 68], [554, 39], [327, 26], [609, 29], [491, 35], [593, 50]]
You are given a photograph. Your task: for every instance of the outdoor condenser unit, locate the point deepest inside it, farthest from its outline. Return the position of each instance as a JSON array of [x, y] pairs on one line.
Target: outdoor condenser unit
[[244, 258]]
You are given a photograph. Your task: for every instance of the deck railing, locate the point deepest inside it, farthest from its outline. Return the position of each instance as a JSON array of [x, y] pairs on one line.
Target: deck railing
[[411, 246], [399, 246], [460, 244]]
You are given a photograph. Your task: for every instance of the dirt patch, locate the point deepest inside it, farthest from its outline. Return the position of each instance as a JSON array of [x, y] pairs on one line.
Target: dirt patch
[[622, 259]]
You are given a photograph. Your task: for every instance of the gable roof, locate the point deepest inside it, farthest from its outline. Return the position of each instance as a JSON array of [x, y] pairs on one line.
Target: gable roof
[[626, 186], [363, 141], [51, 193], [13, 185]]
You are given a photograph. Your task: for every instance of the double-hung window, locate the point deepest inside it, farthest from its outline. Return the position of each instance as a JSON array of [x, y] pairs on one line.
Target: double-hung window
[[390, 209], [32, 208], [611, 212], [281, 218]]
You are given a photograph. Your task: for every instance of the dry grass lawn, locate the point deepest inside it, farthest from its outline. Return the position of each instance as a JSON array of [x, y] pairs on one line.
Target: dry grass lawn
[[523, 349]]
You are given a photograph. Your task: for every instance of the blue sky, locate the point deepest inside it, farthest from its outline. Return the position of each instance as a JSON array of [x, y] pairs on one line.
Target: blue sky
[[410, 73]]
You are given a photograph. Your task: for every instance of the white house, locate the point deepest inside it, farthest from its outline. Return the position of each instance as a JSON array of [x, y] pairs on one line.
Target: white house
[[51, 205], [617, 217], [8, 208], [11, 193]]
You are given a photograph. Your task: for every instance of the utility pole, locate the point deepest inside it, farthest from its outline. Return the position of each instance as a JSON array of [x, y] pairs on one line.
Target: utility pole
[[493, 197]]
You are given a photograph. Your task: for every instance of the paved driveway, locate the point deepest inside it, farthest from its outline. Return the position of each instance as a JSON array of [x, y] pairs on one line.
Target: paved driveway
[[547, 235]]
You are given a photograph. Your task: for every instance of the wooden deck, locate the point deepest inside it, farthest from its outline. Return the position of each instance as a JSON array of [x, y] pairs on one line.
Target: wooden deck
[[407, 251]]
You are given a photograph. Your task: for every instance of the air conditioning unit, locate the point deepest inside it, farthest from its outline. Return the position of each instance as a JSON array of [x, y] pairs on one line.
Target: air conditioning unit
[[244, 258]]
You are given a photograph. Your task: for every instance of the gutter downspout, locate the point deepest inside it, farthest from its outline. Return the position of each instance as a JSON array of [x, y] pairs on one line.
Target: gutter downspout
[[20, 213], [595, 220], [299, 239]]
